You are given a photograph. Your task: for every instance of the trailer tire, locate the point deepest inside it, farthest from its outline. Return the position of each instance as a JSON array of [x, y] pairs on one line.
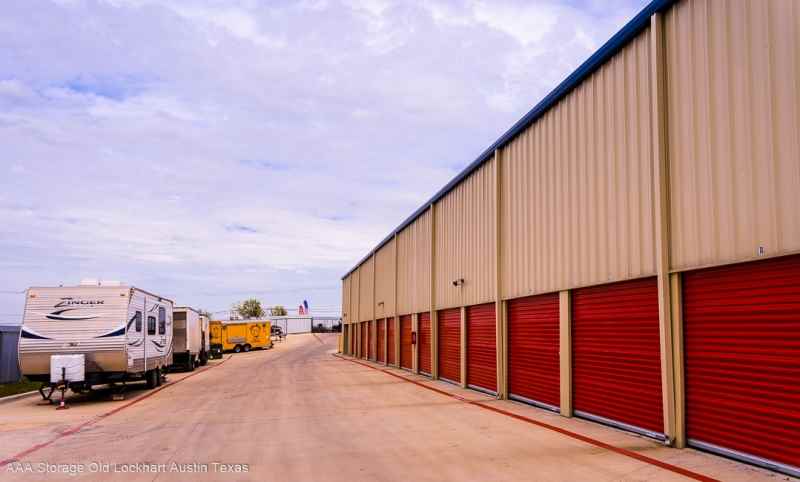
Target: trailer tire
[[237, 349], [151, 378], [159, 377], [246, 348]]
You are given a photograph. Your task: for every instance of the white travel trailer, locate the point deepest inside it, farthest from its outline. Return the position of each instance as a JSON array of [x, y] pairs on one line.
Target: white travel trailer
[[190, 338], [115, 333]]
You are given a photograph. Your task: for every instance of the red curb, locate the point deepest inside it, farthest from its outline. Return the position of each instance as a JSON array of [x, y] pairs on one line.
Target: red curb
[[77, 428], [583, 438]]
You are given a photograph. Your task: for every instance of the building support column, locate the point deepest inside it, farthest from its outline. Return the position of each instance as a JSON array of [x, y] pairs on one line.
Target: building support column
[[396, 322], [395, 318], [662, 202], [463, 342], [676, 292], [434, 317], [500, 332], [565, 351]]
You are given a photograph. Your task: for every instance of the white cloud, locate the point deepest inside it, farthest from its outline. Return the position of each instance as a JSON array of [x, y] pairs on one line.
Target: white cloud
[[133, 149]]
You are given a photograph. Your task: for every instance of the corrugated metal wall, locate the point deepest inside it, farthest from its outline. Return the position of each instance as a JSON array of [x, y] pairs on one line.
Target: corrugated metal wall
[[733, 93], [384, 281], [354, 296], [414, 266], [9, 364], [346, 313], [577, 187], [464, 224], [365, 298]]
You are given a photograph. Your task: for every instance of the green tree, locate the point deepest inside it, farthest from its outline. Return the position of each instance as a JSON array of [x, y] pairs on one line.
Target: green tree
[[278, 310], [250, 308]]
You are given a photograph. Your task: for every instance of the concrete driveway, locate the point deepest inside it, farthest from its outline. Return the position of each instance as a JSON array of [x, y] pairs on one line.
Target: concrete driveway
[[298, 413]]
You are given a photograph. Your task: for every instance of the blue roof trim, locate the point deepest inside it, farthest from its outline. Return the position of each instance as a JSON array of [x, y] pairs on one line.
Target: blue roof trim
[[597, 59]]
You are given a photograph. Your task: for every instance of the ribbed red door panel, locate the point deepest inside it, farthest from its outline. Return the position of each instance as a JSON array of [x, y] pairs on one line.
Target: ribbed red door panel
[[616, 353], [364, 339], [390, 341], [481, 347], [424, 341], [742, 353], [405, 341], [534, 366], [381, 339], [371, 337], [450, 344]]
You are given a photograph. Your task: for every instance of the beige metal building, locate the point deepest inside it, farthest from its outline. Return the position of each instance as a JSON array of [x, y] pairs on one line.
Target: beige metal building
[[629, 251]]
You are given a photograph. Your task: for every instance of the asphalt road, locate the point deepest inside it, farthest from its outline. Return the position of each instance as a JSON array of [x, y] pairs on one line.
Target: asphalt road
[[298, 413]]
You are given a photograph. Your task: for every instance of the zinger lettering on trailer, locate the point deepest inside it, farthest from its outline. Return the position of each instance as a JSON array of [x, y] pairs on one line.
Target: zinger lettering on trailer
[[69, 301]]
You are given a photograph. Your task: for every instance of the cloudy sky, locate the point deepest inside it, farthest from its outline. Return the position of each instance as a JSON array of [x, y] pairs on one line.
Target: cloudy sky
[[215, 150]]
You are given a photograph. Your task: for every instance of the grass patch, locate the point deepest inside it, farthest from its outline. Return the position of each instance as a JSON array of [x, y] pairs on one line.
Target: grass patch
[[21, 386]]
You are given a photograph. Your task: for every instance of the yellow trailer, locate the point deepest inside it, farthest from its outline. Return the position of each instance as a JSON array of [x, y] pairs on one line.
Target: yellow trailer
[[238, 336]]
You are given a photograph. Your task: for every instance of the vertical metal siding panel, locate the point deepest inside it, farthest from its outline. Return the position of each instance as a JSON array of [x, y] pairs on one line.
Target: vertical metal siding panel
[[424, 342], [366, 295], [414, 266], [450, 344], [533, 348], [481, 347], [355, 296], [465, 231], [391, 355], [616, 360], [384, 280], [578, 185], [733, 89], [381, 337], [742, 340], [405, 342], [346, 300]]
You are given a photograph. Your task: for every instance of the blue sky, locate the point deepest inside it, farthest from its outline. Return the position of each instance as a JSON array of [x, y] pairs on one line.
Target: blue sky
[[211, 151]]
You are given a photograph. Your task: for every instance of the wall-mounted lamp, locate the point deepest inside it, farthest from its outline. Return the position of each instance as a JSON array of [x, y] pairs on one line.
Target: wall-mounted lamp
[[458, 282]]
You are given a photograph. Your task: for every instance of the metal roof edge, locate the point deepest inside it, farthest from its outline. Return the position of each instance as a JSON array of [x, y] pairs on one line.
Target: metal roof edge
[[619, 40]]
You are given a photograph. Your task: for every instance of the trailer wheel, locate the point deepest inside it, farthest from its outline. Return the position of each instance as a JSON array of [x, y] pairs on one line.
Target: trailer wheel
[[151, 377], [159, 377], [237, 349], [246, 348]]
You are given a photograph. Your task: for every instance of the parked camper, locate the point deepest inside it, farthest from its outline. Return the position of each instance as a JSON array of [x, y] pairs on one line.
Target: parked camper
[[238, 336], [189, 339], [206, 339], [95, 334]]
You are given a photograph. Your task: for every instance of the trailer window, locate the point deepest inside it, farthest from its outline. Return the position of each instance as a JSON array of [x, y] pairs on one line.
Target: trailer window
[[151, 325], [162, 320], [137, 321]]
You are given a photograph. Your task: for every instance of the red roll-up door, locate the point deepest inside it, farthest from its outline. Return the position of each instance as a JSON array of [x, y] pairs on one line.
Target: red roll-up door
[[390, 341], [534, 364], [424, 342], [481, 347], [405, 342], [742, 354], [371, 345], [381, 340], [450, 344], [616, 355], [363, 350]]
